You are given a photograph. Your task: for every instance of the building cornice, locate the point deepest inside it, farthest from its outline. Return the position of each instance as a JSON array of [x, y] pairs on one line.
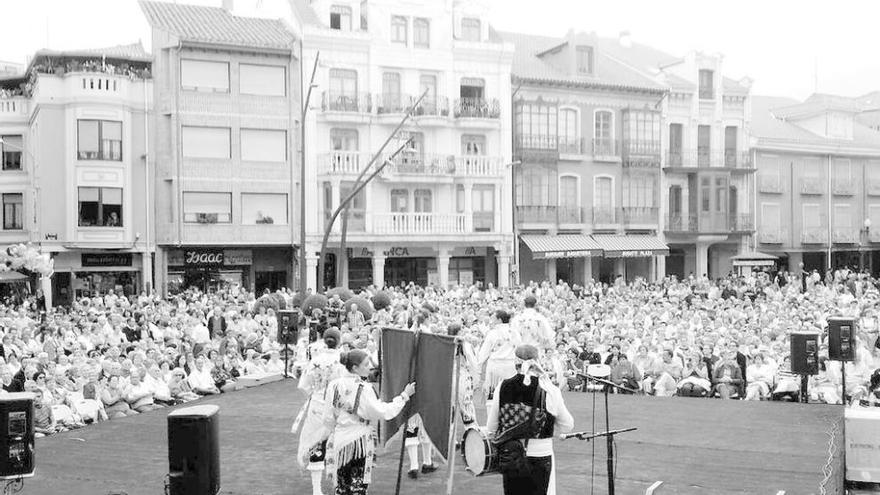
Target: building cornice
[[784, 145]]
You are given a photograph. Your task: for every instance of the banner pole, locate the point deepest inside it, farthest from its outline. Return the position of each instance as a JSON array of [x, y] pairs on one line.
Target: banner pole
[[451, 453], [413, 362]]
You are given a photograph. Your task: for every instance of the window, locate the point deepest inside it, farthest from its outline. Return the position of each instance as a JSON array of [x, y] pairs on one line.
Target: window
[[391, 98], [770, 218], [12, 148], [842, 217], [483, 205], [603, 142], [585, 59], [421, 33], [721, 191], [730, 133], [470, 29], [343, 83], [568, 131], [343, 139], [99, 140], [340, 17], [13, 211], [100, 207], [459, 198], [206, 142], [207, 207], [423, 199], [707, 84], [428, 82], [356, 209], [263, 145], [398, 29], [704, 145], [472, 144], [639, 191], [537, 125], [641, 132], [675, 145], [263, 209], [705, 194], [812, 217], [399, 200], [604, 192], [568, 196], [811, 168], [267, 80], [203, 75], [841, 170]]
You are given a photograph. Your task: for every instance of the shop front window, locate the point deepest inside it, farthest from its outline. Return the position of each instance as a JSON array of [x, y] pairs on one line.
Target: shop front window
[[100, 207], [88, 284]]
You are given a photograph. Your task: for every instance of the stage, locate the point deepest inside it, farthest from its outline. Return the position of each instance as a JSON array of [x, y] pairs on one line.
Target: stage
[[693, 445]]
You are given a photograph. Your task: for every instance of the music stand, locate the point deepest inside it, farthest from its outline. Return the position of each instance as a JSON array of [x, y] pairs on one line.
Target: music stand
[[594, 371]]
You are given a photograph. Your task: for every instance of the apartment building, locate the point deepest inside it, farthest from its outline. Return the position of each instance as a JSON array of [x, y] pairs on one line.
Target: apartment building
[[818, 182], [86, 140], [226, 106], [439, 212], [708, 175], [587, 136]]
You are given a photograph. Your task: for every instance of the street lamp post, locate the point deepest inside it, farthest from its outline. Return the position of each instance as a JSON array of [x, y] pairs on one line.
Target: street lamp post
[[864, 239]]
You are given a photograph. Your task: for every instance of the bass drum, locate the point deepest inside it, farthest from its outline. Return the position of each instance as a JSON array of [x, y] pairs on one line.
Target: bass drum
[[480, 456]]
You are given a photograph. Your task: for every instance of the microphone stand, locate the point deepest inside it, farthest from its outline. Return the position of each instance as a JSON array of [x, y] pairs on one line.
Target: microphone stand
[[608, 433]]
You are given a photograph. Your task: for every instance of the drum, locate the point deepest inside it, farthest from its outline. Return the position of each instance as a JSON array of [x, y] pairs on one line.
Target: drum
[[479, 454]]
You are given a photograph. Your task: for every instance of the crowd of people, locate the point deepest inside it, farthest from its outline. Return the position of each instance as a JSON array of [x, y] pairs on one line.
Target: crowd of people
[[110, 356]]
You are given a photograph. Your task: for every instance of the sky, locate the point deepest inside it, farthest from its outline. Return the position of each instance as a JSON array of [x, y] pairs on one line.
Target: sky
[[789, 48]]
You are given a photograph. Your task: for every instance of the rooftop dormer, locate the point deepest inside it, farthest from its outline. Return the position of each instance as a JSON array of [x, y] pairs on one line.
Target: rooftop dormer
[[577, 54], [826, 115]]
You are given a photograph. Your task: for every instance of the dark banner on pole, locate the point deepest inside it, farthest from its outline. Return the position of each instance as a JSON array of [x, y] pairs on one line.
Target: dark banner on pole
[[435, 360]]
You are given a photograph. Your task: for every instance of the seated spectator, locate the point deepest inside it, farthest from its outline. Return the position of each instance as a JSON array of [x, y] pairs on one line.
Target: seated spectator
[[44, 421], [113, 395], [761, 374], [625, 374], [696, 381], [274, 365], [179, 386], [158, 385], [223, 380], [139, 394], [728, 376], [199, 378], [663, 378], [788, 384], [253, 364]]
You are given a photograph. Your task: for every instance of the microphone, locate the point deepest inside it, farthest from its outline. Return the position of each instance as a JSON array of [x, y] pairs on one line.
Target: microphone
[[577, 434]]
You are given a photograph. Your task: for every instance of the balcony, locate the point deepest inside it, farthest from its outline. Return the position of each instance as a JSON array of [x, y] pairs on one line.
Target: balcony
[[419, 223], [814, 236], [681, 224], [771, 184], [641, 154], [715, 223], [477, 108], [843, 187], [605, 217], [536, 214], [392, 103], [478, 166], [351, 103], [606, 149], [16, 106], [432, 106], [420, 164], [356, 221], [536, 142], [703, 158], [640, 215], [845, 236], [570, 145], [569, 214], [812, 185], [342, 162], [772, 236]]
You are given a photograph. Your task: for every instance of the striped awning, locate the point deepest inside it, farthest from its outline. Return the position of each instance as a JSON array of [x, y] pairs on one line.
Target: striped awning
[[631, 246], [561, 246]]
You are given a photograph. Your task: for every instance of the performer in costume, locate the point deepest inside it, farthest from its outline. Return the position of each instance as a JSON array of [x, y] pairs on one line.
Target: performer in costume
[[533, 327], [467, 369], [506, 409], [353, 406], [323, 368], [497, 352]]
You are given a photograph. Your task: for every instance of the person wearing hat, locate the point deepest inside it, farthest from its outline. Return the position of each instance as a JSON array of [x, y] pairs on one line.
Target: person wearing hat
[[513, 399], [324, 367]]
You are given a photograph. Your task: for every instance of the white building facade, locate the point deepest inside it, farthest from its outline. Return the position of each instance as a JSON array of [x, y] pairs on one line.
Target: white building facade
[[440, 212]]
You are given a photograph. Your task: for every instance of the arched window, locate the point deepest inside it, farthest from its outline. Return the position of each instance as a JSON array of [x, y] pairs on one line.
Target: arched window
[[569, 137], [603, 133]]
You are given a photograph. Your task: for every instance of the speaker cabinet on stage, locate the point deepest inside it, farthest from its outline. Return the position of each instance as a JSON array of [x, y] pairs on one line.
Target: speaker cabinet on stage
[[287, 326], [805, 353], [194, 451], [841, 339], [17, 435]]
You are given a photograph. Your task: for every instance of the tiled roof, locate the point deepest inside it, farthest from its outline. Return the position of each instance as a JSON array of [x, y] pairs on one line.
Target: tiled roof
[[216, 25], [818, 103], [767, 125], [131, 51], [611, 73]]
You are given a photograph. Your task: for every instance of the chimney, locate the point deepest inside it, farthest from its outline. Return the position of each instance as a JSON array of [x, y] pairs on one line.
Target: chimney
[[625, 39], [229, 5]]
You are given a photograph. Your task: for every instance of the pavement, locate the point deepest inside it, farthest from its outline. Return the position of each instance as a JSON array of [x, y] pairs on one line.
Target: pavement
[[694, 446]]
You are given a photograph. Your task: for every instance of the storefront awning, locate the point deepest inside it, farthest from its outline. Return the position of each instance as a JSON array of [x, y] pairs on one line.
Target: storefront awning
[[631, 246], [11, 276], [561, 246]]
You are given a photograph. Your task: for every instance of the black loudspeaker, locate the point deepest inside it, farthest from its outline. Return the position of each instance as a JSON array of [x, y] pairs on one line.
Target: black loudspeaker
[[17, 435], [288, 326], [841, 339], [805, 353], [194, 451]]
